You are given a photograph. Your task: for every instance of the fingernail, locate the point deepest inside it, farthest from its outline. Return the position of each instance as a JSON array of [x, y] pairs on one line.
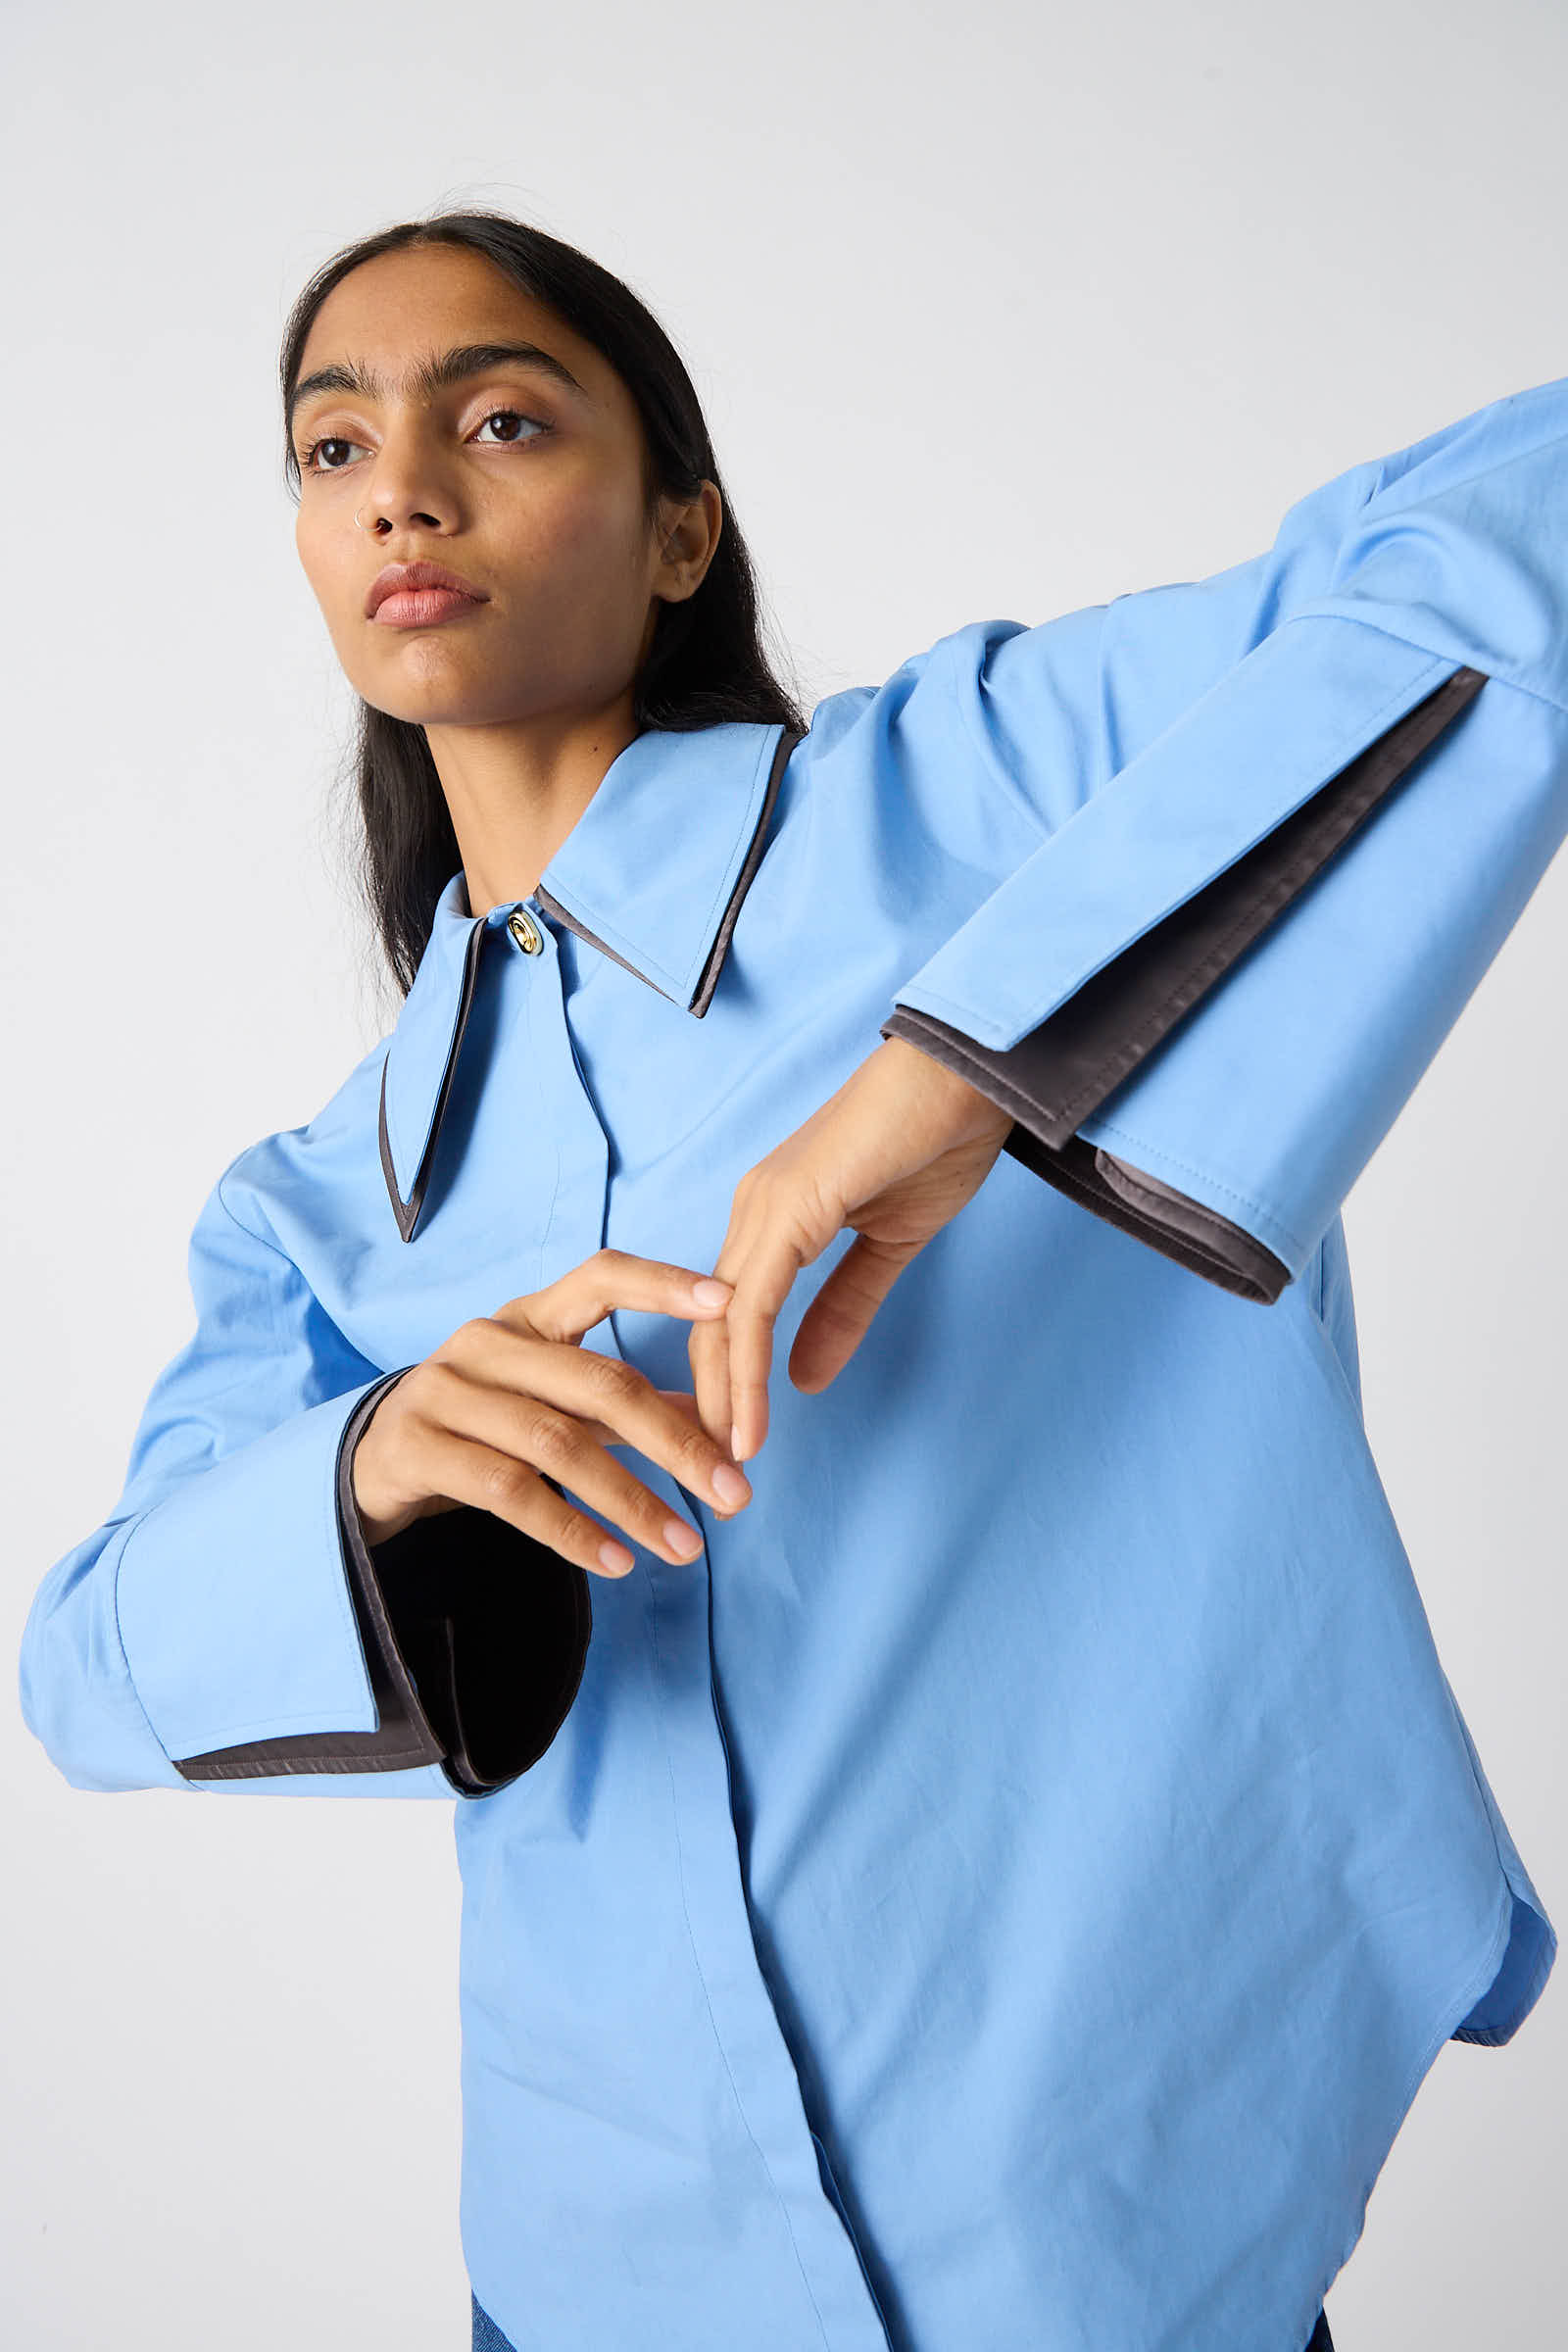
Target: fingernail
[[681, 1537], [735, 1440], [731, 1486], [709, 1292]]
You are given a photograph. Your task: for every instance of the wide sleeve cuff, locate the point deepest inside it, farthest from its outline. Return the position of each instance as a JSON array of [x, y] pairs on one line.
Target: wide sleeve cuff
[[265, 1638], [1223, 1124]]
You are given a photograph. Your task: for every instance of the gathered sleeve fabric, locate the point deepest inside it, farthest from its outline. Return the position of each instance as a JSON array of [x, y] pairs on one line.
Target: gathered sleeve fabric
[[228, 1625], [1285, 819]]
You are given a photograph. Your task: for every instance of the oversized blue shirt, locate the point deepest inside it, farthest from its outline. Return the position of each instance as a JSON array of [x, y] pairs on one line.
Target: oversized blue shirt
[[1008, 1888]]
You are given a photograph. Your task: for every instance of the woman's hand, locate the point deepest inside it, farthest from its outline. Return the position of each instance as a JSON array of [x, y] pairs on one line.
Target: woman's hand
[[512, 1399], [895, 1153]]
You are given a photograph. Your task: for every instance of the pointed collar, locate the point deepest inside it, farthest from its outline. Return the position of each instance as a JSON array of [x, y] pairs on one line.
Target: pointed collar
[[653, 874]]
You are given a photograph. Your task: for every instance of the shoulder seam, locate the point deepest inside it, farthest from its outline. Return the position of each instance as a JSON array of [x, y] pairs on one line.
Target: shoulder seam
[[265, 1241]]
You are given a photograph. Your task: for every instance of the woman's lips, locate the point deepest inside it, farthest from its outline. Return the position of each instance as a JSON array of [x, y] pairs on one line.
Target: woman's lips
[[419, 607]]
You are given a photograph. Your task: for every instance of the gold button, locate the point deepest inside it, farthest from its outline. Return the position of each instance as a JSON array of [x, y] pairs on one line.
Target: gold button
[[525, 931]]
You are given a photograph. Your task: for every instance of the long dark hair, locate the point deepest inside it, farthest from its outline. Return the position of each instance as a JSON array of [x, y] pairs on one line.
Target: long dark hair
[[706, 662]]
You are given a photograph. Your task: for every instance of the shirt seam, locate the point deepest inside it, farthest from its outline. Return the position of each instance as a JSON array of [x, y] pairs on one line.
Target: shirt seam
[[130, 1679], [1185, 1167], [1313, 611]]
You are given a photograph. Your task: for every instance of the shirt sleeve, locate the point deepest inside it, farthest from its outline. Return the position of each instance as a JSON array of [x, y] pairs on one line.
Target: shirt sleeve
[[1312, 796], [228, 1626]]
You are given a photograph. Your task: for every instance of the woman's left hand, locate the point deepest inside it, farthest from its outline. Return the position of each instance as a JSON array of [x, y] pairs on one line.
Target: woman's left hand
[[894, 1154]]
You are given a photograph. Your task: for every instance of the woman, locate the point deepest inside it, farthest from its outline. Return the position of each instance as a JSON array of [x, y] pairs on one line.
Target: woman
[[995, 1870]]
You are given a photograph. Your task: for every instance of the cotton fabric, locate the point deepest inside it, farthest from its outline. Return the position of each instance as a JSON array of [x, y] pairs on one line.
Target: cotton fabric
[[1010, 1887]]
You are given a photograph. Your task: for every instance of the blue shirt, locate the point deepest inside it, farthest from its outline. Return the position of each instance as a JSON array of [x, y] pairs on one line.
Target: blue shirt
[[1008, 1888]]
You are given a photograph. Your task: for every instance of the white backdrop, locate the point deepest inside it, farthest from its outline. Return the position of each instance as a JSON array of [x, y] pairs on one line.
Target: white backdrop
[[995, 312]]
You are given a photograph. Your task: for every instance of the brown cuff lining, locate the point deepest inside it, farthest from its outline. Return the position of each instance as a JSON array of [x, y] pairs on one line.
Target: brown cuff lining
[[495, 1628]]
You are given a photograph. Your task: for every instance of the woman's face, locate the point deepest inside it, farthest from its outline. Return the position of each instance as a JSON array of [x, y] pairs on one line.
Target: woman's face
[[528, 485]]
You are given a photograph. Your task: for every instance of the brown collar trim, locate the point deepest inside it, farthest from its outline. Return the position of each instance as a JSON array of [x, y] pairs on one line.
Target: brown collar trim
[[407, 1211]]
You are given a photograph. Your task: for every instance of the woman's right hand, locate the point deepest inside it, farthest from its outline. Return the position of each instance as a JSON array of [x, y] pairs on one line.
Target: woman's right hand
[[512, 1399]]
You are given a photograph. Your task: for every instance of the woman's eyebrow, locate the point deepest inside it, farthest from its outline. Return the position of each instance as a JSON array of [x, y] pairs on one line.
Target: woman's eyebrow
[[431, 375]]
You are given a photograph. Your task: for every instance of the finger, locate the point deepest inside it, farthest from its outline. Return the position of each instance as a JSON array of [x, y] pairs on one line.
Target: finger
[[681, 1400], [761, 1289], [493, 1478], [534, 1434], [843, 1311], [707, 1353], [685, 1403], [708, 1341], [569, 1306], [590, 1392], [539, 1435]]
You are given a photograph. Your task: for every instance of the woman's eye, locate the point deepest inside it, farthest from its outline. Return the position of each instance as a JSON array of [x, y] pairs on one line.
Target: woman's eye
[[326, 441], [514, 416]]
